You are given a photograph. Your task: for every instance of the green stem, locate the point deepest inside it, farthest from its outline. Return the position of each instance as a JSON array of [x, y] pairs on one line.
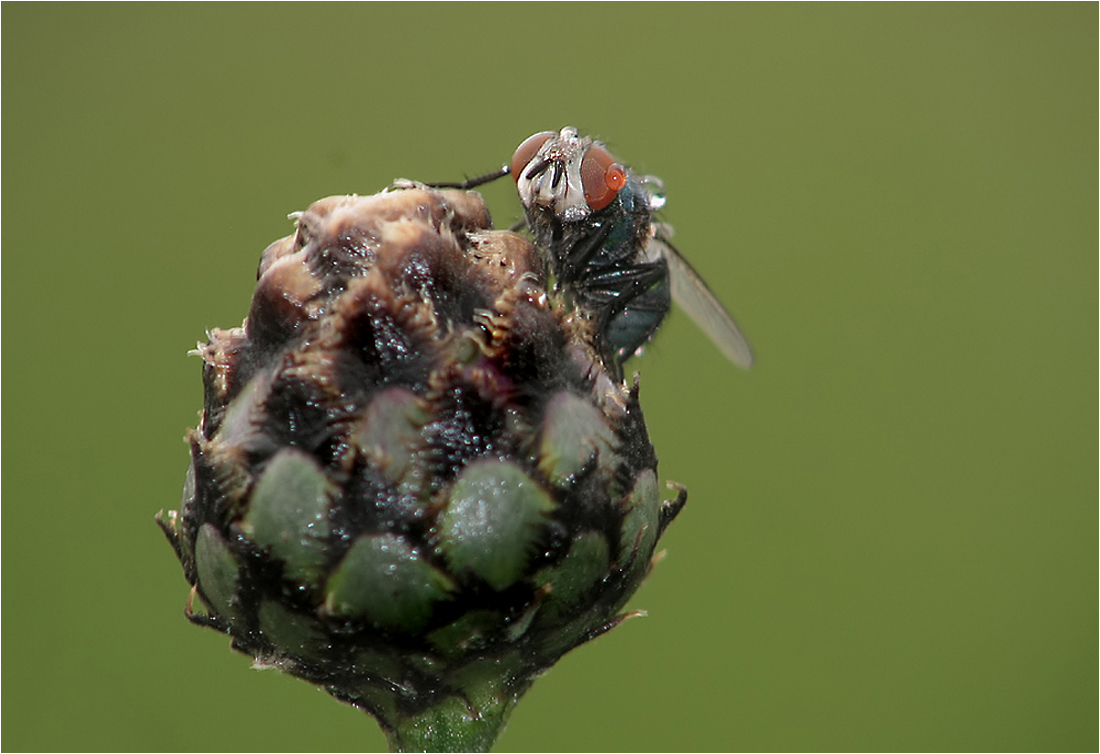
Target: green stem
[[467, 711], [451, 725]]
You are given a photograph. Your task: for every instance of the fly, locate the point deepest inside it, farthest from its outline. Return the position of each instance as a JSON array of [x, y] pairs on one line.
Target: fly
[[594, 218]]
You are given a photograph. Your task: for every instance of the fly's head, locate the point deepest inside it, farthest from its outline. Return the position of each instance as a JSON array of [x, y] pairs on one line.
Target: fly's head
[[563, 177]]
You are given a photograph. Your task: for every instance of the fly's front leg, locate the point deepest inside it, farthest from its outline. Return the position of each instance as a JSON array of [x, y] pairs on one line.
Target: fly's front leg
[[470, 183], [575, 259], [628, 283]]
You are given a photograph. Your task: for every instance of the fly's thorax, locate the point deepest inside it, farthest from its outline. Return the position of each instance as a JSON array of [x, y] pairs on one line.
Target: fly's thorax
[[614, 235], [630, 221]]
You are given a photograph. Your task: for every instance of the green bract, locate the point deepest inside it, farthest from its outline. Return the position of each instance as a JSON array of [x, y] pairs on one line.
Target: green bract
[[414, 483]]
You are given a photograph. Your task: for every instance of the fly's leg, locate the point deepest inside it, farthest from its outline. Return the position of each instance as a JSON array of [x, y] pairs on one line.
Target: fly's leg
[[580, 252], [630, 303], [470, 183], [625, 284], [481, 180]]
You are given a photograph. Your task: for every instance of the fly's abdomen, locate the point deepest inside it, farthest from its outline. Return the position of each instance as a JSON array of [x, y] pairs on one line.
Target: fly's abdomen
[[628, 330]]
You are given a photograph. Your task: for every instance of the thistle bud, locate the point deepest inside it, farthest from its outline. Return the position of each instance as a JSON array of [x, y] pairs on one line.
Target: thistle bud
[[415, 483]]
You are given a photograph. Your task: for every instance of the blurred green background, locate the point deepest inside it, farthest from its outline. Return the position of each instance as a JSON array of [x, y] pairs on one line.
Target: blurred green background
[[891, 538]]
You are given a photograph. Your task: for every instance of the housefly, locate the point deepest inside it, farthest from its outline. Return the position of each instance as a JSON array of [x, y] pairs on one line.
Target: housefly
[[594, 219]]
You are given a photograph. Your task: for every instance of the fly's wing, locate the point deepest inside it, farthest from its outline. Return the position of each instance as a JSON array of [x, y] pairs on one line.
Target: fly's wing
[[692, 295]]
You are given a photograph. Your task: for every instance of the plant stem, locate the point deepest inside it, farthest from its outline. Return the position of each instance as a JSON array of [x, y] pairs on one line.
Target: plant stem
[[451, 725], [466, 712]]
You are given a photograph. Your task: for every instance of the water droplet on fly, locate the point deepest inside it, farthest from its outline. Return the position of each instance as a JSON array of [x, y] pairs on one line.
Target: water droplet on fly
[[655, 187]]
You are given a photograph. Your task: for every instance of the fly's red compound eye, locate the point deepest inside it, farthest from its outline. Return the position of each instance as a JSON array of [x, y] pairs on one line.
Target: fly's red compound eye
[[601, 177], [526, 152]]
